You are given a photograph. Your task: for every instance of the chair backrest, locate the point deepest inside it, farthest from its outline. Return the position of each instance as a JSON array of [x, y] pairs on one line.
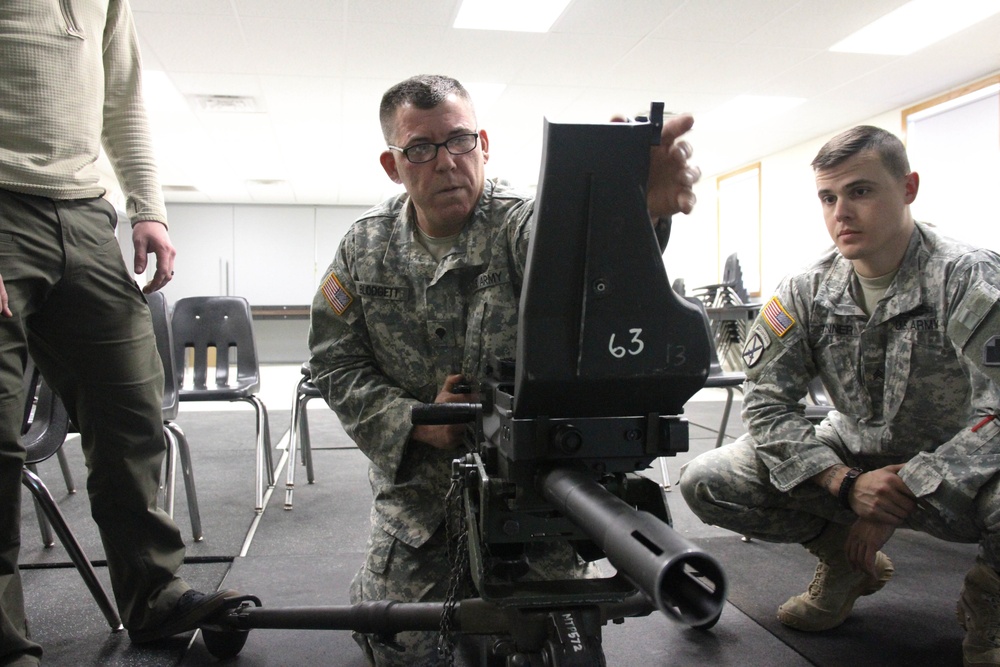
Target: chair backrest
[[160, 314], [222, 323], [732, 275], [46, 420]]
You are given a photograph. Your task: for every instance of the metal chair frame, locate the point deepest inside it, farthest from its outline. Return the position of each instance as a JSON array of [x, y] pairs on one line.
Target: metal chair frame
[[298, 433]]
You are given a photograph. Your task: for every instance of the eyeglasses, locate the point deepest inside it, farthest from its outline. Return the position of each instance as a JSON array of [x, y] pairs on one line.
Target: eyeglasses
[[457, 145]]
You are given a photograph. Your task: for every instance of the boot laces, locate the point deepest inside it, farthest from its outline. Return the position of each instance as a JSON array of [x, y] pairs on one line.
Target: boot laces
[[819, 578]]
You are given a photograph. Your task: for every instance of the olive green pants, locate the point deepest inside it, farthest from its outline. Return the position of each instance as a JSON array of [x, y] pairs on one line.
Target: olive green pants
[[79, 313]]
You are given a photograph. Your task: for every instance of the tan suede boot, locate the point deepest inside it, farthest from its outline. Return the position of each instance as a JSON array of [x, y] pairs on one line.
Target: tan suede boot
[[979, 615], [835, 586]]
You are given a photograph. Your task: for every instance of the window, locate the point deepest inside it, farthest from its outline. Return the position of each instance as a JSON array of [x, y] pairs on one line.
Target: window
[[953, 142], [739, 223]]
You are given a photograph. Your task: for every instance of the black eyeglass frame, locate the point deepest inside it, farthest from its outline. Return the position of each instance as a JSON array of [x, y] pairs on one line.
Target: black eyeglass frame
[[437, 146]]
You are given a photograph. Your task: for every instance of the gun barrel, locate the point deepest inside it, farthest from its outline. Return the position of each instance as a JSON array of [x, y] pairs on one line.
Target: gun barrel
[[685, 583], [444, 413]]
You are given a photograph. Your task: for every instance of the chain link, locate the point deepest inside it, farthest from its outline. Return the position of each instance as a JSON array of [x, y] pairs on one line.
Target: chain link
[[456, 533]]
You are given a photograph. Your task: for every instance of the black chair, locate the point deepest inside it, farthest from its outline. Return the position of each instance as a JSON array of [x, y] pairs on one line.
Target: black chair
[[717, 378], [45, 427], [298, 433], [177, 443], [223, 325]]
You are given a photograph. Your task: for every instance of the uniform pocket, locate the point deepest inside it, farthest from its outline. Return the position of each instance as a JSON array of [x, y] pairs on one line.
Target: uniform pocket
[[380, 546]]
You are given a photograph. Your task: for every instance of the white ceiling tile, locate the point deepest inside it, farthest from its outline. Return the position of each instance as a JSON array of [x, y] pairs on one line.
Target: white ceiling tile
[[722, 21], [302, 48]]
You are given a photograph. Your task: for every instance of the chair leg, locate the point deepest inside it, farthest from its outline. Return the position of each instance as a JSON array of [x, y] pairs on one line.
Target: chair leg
[[43, 523], [170, 472], [293, 436], [44, 498], [268, 450], [67, 473], [306, 443], [725, 417], [264, 465], [184, 450], [666, 475]]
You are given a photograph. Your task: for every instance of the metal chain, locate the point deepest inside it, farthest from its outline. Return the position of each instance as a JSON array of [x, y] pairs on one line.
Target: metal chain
[[456, 534]]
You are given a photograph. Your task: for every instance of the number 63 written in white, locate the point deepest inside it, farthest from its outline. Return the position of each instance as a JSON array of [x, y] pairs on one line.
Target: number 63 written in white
[[635, 346]]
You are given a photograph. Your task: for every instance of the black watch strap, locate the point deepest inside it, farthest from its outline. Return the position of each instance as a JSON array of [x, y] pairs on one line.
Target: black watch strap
[[844, 494]]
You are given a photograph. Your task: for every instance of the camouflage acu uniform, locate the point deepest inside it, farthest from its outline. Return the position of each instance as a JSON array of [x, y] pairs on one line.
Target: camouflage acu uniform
[[918, 383], [389, 323]]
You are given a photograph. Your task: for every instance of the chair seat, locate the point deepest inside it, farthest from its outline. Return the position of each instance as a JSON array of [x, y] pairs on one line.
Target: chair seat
[[226, 394]]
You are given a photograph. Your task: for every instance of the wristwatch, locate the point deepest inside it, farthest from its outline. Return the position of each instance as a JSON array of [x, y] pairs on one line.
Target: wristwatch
[[844, 495]]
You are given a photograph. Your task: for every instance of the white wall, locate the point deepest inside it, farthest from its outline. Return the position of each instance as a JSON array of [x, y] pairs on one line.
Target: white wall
[[272, 255]]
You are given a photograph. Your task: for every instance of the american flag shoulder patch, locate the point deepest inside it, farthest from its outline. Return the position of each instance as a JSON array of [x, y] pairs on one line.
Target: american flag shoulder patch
[[338, 297], [777, 317]]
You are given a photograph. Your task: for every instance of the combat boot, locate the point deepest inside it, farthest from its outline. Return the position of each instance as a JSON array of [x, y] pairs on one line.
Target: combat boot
[[835, 586], [979, 616]]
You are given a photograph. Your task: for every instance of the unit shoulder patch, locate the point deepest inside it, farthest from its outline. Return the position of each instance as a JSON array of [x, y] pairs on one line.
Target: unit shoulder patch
[[753, 349]]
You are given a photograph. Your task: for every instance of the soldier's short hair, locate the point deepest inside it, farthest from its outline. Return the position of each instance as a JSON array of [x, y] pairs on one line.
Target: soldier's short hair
[[863, 138], [424, 91]]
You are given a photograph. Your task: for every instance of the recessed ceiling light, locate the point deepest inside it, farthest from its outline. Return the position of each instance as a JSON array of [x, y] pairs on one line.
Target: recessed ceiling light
[[512, 15], [915, 25], [225, 103]]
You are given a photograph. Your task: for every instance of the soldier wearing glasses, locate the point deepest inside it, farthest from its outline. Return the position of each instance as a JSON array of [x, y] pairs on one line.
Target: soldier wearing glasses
[[422, 293]]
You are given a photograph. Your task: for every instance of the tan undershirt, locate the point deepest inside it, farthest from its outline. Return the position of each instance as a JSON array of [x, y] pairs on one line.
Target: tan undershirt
[[438, 247], [874, 289]]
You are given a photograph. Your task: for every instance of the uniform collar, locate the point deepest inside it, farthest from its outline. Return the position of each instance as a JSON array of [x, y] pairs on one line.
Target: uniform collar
[[904, 294]]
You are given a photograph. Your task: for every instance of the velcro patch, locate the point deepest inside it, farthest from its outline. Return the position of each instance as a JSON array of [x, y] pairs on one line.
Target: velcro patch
[[977, 303], [338, 297], [777, 317], [991, 352]]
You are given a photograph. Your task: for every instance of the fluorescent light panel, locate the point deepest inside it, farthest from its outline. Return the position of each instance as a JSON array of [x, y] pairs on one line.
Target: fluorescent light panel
[[916, 24], [511, 15]]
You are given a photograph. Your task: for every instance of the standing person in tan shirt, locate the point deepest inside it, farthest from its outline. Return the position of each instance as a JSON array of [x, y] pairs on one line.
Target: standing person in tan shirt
[[70, 84]]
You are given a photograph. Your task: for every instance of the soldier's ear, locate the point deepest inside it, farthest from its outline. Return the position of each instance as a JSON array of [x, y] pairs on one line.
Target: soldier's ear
[[388, 161], [484, 145], [911, 184]]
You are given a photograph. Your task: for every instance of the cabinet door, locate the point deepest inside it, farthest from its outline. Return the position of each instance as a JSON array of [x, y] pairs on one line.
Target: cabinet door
[[274, 251], [203, 237]]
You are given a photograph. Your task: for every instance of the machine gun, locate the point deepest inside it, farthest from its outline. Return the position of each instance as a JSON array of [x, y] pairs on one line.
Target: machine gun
[[607, 355]]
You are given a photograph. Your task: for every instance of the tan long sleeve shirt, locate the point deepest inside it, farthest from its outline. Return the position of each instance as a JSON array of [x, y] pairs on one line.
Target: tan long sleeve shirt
[[70, 83]]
